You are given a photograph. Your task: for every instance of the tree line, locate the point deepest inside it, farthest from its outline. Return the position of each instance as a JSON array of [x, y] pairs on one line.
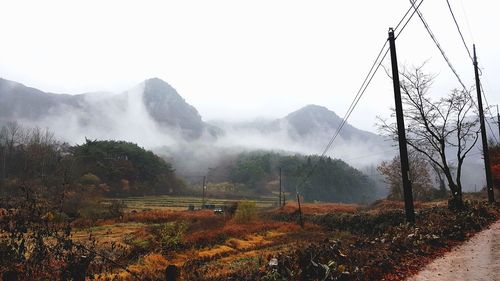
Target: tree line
[[333, 180], [33, 156]]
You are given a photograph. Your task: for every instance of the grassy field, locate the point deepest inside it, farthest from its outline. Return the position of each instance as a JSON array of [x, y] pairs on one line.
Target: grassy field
[[338, 241], [183, 202]]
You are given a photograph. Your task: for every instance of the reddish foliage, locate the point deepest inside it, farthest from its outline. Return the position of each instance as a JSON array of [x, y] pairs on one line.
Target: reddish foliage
[[385, 205], [320, 208], [495, 169], [394, 253], [159, 216], [495, 164], [234, 230]]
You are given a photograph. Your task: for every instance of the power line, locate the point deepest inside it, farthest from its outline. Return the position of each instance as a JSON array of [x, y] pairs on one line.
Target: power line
[[485, 99], [470, 56], [433, 37], [356, 100], [370, 155], [414, 10], [366, 82], [402, 19], [487, 106], [364, 85], [459, 31], [466, 20]]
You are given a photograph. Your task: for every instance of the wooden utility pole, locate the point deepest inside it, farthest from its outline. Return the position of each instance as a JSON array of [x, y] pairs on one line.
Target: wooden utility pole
[[203, 192], [403, 152], [283, 193], [486, 155], [498, 122], [280, 190], [300, 211]]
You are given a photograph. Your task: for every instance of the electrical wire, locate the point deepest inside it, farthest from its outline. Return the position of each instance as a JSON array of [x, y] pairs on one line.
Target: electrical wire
[[366, 82], [466, 20], [402, 19], [358, 96], [412, 14], [459, 31], [364, 86], [370, 155], [472, 59], [433, 37]]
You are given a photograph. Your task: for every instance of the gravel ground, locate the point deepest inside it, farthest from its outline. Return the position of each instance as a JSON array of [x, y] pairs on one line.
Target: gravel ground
[[477, 259]]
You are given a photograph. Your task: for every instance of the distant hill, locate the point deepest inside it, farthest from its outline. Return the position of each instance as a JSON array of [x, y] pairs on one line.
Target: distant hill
[[92, 110], [20, 102], [308, 130], [310, 121], [154, 115], [315, 119]]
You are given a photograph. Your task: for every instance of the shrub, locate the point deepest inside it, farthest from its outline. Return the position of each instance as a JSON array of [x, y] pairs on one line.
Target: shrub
[[115, 209], [161, 216], [171, 236], [245, 212], [90, 179]]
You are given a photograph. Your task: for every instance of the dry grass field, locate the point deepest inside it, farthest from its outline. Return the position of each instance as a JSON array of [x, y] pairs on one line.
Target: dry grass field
[[209, 246]]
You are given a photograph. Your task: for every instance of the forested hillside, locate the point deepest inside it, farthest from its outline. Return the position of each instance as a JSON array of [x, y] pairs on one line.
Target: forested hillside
[[33, 158], [332, 181], [128, 168]]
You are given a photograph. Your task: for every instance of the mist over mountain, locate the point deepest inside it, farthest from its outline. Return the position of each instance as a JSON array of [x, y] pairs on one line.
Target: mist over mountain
[[20, 102], [150, 106], [169, 109], [308, 130], [154, 115]]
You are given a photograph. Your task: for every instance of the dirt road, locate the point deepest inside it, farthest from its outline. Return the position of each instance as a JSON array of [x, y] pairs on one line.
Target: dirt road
[[477, 259]]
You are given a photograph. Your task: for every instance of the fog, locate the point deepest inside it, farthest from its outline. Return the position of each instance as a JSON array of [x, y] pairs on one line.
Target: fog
[[106, 116], [124, 116]]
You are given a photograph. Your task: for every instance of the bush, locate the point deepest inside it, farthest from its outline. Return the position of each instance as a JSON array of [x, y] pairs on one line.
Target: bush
[[115, 209], [245, 212], [89, 179], [171, 236]]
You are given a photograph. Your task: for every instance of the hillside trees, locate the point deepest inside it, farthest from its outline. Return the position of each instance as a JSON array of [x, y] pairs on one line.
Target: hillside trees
[[29, 155], [332, 180], [335, 181], [437, 128], [420, 177], [34, 156], [40, 196], [251, 169], [126, 167]]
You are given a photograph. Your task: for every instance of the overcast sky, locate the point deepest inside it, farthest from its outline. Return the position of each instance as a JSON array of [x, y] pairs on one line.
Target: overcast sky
[[239, 60]]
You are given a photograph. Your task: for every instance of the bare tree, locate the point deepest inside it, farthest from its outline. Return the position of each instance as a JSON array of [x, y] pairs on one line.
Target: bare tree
[[9, 138], [437, 128], [419, 176]]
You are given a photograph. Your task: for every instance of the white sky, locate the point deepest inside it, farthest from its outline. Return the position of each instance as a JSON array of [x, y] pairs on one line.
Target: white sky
[[239, 60]]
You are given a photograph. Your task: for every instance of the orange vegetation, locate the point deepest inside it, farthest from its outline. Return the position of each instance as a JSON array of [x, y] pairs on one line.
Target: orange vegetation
[[157, 216], [495, 169], [399, 205], [320, 208], [232, 229], [149, 267]]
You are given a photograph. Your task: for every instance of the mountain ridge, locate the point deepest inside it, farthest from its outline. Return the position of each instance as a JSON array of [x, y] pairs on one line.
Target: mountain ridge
[[167, 109], [163, 104]]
